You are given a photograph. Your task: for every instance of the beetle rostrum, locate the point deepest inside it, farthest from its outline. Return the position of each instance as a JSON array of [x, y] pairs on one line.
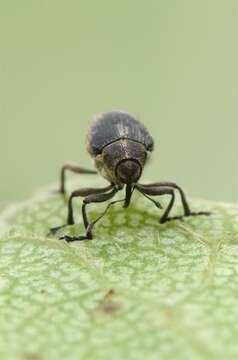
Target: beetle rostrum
[[119, 145], [128, 171]]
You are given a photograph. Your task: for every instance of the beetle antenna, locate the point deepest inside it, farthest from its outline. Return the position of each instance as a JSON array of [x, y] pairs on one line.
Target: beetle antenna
[[128, 195]]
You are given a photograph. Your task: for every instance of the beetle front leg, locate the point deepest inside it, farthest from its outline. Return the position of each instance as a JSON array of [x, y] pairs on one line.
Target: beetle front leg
[[89, 235], [186, 207], [78, 193], [94, 198], [166, 188]]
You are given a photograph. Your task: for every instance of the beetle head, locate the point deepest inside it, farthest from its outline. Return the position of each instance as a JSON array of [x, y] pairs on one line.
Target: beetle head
[[128, 171]]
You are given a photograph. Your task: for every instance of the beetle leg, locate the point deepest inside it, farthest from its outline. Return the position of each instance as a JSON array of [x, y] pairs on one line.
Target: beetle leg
[[155, 190], [93, 198], [186, 207], [82, 192], [90, 226], [161, 189], [75, 169]]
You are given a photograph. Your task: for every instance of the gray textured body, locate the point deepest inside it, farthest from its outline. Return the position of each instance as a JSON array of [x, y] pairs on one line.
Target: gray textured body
[[116, 125], [115, 137]]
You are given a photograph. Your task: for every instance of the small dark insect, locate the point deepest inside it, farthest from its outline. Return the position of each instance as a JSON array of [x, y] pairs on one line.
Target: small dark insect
[[119, 145]]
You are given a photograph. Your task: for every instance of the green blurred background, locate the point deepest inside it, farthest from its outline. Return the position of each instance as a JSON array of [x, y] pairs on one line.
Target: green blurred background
[[172, 62]]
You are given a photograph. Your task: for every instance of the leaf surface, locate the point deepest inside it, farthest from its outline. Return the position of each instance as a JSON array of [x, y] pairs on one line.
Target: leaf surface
[[139, 290]]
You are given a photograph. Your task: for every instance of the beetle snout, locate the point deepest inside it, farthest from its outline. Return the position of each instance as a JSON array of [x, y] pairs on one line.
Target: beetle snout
[[128, 171]]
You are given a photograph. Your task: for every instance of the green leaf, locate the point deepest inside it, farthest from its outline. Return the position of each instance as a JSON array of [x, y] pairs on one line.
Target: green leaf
[[139, 290]]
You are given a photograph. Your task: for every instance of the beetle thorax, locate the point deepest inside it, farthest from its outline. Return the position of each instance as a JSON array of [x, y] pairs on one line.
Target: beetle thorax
[[122, 161]]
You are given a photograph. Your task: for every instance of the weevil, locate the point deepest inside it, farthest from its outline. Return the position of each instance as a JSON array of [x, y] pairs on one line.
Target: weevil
[[119, 145]]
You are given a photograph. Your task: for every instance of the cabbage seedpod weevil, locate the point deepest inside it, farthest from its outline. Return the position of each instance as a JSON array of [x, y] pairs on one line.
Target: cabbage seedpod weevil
[[119, 145]]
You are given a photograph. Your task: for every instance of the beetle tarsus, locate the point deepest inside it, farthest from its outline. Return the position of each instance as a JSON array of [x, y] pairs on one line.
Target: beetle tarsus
[[198, 213], [182, 217], [172, 218], [54, 230], [74, 238]]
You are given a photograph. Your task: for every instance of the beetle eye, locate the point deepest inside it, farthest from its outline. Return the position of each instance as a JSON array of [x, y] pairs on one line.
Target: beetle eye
[[128, 171]]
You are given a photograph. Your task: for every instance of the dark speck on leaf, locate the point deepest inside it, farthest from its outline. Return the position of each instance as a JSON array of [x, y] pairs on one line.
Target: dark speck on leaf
[[108, 305]]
